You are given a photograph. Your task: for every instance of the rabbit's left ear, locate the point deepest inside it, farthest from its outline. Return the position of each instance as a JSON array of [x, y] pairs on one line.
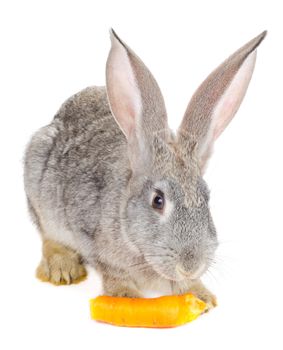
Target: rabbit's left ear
[[136, 101], [218, 98]]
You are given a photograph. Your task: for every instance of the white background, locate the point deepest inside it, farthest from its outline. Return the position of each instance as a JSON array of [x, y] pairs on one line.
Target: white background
[[52, 49]]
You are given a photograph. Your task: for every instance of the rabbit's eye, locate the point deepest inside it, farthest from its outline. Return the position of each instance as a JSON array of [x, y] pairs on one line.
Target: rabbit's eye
[[158, 200]]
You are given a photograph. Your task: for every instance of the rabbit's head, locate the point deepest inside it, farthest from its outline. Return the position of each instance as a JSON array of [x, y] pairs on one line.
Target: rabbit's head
[[165, 211]]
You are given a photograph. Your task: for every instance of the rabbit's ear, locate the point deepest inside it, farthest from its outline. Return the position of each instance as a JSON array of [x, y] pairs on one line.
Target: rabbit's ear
[[134, 96], [218, 98]]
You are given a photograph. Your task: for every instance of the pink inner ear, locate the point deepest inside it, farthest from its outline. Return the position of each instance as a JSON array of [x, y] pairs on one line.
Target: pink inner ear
[[227, 110], [123, 92], [230, 101]]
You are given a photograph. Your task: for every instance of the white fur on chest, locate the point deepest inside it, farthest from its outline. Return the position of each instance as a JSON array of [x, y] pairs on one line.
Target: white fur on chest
[[153, 287]]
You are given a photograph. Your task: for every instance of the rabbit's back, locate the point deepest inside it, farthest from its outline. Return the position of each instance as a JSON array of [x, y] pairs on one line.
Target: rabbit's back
[[72, 164]]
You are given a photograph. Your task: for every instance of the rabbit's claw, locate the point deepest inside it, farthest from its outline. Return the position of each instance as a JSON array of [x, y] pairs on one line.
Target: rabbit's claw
[[200, 291], [60, 265]]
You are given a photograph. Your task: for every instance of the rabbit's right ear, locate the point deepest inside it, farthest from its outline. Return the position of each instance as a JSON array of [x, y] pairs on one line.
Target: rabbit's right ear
[[216, 101], [135, 100]]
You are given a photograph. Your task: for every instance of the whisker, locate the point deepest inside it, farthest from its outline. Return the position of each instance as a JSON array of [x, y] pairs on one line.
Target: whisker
[[158, 246], [144, 269], [138, 264], [169, 249], [226, 241], [211, 275], [159, 255]]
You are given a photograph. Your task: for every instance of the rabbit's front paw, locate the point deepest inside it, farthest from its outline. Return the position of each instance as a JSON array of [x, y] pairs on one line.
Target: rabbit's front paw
[[200, 291], [60, 265]]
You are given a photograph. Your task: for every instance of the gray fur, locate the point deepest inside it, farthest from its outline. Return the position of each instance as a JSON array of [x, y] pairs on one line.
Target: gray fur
[[84, 193]]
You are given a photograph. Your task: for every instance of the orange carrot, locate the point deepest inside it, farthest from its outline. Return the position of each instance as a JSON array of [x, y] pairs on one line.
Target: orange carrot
[[166, 311]]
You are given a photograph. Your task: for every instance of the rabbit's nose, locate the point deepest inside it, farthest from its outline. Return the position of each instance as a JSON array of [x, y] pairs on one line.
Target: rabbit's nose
[[190, 265], [188, 254], [189, 258]]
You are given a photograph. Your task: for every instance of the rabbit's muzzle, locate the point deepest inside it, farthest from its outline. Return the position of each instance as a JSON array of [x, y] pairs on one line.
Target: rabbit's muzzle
[[191, 264]]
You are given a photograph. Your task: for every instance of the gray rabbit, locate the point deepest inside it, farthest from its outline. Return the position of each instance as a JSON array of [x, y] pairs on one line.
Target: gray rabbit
[[110, 185]]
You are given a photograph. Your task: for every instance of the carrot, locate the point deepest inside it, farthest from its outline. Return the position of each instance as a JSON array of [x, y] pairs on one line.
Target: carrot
[[165, 311]]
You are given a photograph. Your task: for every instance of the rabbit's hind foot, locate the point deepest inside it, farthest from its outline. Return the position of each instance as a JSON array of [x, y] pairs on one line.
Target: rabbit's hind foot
[[60, 265]]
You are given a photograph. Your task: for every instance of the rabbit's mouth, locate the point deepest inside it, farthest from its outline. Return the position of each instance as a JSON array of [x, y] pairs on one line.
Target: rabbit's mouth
[[190, 275], [178, 273]]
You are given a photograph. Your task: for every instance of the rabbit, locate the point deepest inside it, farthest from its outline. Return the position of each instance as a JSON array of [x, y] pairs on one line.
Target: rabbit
[[108, 183]]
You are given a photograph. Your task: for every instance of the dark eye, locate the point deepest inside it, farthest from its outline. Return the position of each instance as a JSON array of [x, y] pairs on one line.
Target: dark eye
[[158, 200]]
